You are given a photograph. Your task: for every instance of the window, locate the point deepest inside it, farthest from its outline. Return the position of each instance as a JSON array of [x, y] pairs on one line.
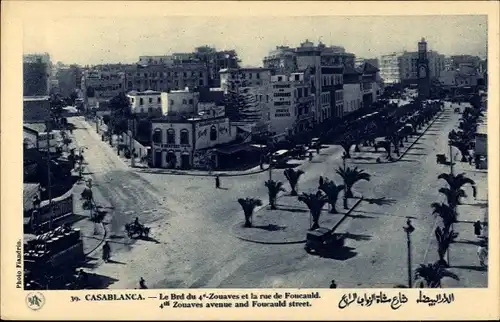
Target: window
[[185, 74], [213, 133], [184, 136], [250, 76], [141, 101], [170, 136], [184, 101], [191, 101], [150, 109], [142, 110], [171, 102], [158, 100], [157, 136], [258, 76], [150, 100], [201, 74], [297, 77]]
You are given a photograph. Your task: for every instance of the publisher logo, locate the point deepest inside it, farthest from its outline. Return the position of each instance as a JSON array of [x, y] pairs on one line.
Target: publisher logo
[[35, 301]]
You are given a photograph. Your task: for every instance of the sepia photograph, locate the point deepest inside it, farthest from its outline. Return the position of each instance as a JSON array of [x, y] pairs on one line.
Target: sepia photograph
[[185, 154], [237, 158]]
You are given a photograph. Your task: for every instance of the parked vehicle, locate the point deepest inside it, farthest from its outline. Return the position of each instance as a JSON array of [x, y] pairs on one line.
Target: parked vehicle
[[137, 230], [323, 241]]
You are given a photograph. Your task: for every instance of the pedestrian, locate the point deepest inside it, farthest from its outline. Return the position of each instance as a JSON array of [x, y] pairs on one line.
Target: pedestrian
[[321, 180], [470, 159], [106, 251], [217, 182], [142, 284], [482, 253], [333, 284], [310, 156], [477, 228]]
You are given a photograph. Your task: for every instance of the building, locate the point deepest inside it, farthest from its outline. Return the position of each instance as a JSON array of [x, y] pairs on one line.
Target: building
[[179, 102], [372, 61], [457, 60], [186, 141], [233, 78], [156, 60], [281, 60], [35, 136], [36, 109], [100, 84], [304, 102], [408, 62], [465, 76], [389, 68], [164, 78], [68, 80], [35, 79], [283, 112], [369, 83], [353, 95], [148, 102]]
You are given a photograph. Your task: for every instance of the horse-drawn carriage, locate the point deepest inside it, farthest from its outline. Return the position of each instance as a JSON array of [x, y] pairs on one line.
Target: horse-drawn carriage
[[137, 230]]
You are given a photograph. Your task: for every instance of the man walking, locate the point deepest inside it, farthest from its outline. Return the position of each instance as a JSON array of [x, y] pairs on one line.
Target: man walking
[[217, 182], [106, 252], [477, 228], [333, 284]]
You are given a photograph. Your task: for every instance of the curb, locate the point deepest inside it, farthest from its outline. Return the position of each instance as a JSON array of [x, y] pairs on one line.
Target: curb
[[99, 244], [180, 173], [296, 241]]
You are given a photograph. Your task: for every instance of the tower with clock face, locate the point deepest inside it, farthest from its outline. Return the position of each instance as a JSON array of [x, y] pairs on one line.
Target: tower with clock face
[[423, 71]]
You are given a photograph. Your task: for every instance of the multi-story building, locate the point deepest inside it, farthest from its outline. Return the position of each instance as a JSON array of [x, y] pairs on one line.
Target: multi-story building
[[187, 136], [389, 68], [165, 77], [304, 102], [179, 102], [353, 95], [372, 61], [282, 60], [408, 62], [36, 109], [283, 111], [234, 78], [148, 102], [68, 79], [156, 60], [465, 76], [457, 60], [369, 83], [100, 85], [36, 74]]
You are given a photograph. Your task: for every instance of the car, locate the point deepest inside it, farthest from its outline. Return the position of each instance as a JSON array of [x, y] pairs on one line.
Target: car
[[323, 241]]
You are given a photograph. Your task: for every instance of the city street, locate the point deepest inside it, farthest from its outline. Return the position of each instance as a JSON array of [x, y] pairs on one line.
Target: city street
[[191, 244]]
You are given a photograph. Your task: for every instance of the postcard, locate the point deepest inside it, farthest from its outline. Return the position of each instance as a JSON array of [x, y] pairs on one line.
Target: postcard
[[250, 160]]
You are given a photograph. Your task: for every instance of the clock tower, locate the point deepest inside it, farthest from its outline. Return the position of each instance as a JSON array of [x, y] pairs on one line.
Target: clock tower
[[423, 71]]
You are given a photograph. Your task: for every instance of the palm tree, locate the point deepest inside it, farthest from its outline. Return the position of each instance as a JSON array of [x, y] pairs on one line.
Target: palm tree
[[457, 181], [273, 188], [351, 176], [248, 205], [346, 144], [453, 196], [293, 178], [447, 214], [332, 192], [444, 238], [463, 146], [432, 274], [315, 203]]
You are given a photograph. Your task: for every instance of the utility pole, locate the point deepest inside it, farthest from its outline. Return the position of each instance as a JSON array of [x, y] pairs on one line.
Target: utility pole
[[49, 179], [451, 160], [408, 230], [131, 141]]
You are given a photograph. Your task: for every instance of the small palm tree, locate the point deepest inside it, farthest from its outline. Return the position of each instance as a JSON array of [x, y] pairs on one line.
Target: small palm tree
[[332, 192], [432, 274], [248, 205], [453, 196], [315, 203], [273, 188], [351, 176], [346, 144], [447, 214], [444, 238], [293, 177]]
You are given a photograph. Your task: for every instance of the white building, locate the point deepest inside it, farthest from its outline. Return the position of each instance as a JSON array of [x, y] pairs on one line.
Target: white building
[[233, 78], [353, 94], [145, 102], [389, 68], [283, 111], [179, 102]]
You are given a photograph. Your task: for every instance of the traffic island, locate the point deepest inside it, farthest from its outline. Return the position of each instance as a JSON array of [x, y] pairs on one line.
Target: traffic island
[[289, 223]]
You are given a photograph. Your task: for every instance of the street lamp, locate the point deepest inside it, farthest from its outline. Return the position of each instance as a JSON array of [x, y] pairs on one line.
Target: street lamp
[[408, 230], [451, 158], [344, 156]]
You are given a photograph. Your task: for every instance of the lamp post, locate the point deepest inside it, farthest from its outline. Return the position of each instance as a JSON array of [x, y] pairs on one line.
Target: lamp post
[[451, 158], [408, 230], [344, 155]]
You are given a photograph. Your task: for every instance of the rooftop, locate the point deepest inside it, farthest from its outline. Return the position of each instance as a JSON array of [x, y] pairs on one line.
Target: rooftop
[[38, 127]]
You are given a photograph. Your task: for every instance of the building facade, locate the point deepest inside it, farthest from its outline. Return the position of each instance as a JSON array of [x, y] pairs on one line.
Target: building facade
[[353, 95], [148, 102], [283, 111], [389, 68], [179, 102], [408, 66], [369, 83], [36, 109], [424, 71]]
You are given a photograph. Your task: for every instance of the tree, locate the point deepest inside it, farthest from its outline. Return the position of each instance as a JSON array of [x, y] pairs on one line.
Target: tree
[[293, 177], [273, 188], [462, 146], [432, 274], [120, 113], [240, 103], [456, 182], [447, 214], [444, 238], [248, 205], [315, 203], [453, 196], [332, 192], [351, 176]]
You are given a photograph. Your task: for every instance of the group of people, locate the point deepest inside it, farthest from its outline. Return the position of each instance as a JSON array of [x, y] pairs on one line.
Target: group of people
[[482, 249]]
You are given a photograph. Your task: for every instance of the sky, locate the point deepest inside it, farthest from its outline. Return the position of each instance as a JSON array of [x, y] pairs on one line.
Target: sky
[[96, 40]]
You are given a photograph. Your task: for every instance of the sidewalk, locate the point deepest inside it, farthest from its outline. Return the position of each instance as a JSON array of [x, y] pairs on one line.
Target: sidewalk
[[289, 223], [203, 173], [369, 156]]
